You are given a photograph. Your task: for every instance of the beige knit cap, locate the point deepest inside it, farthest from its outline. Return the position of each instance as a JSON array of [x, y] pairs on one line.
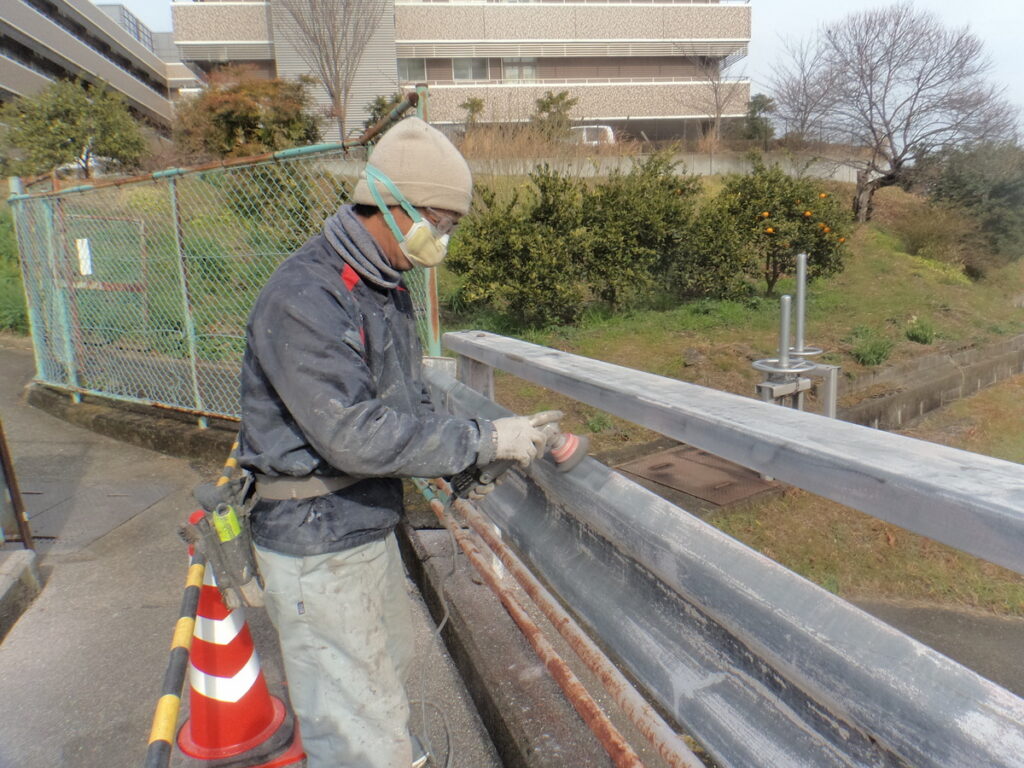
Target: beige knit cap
[[423, 164]]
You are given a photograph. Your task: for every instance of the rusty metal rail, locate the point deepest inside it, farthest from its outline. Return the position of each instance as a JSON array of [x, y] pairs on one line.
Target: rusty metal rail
[[615, 745], [660, 734]]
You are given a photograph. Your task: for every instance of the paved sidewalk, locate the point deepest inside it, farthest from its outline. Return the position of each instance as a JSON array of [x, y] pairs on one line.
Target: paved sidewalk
[[81, 670]]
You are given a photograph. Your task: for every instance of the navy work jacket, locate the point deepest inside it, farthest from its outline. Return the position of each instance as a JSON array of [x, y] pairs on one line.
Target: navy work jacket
[[331, 385]]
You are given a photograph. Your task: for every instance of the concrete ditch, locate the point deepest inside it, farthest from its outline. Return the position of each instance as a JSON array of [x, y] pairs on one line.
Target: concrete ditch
[[908, 390]]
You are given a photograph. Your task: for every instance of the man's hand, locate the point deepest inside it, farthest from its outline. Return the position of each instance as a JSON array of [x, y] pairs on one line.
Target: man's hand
[[522, 438]]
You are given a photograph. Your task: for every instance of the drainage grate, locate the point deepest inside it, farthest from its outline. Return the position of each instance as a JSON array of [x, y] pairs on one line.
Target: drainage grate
[[700, 474]]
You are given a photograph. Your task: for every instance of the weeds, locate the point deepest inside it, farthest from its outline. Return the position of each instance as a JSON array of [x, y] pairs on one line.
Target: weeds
[[870, 348], [920, 331]]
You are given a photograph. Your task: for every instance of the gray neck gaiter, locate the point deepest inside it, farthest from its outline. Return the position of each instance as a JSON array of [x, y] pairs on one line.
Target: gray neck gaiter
[[347, 235]]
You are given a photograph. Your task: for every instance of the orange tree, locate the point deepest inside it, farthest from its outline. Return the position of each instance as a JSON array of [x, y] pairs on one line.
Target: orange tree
[[774, 216]]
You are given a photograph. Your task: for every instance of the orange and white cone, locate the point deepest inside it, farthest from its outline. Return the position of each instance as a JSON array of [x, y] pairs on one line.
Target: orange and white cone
[[233, 719]]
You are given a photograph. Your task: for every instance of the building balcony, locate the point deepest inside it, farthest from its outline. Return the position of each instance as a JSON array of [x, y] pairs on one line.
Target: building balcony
[[598, 100], [229, 31], [19, 79], [45, 40], [489, 29]]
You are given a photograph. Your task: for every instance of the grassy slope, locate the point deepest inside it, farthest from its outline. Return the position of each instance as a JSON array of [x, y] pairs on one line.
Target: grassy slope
[[713, 343]]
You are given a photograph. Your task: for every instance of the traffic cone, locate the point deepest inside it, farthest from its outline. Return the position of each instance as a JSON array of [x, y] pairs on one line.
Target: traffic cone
[[233, 722]]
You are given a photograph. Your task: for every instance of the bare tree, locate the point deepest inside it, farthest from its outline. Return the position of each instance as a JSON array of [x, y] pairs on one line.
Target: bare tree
[[331, 36], [803, 89], [902, 86], [722, 94]]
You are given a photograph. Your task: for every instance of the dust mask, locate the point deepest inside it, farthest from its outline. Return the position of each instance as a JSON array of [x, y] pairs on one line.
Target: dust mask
[[422, 245]]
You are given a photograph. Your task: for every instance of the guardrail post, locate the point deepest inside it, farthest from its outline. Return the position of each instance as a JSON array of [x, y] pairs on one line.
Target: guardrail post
[[476, 375], [186, 304], [830, 392], [53, 251]]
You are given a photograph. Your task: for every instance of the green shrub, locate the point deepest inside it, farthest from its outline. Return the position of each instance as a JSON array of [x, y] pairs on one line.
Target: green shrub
[[776, 216], [986, 181], [869, 346], [714, 262], [920, 331], [560, 246]]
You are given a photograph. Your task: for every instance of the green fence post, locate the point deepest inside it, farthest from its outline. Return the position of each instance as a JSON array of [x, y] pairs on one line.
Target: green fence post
[[186, 304], [22, 237], [54, 250], [432, 311], [421, 104]]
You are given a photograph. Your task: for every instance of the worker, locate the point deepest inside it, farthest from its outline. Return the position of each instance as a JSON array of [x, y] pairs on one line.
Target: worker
[[334, 413]]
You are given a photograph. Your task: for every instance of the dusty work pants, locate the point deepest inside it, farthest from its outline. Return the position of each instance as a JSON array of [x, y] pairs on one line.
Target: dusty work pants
[[346, 638]]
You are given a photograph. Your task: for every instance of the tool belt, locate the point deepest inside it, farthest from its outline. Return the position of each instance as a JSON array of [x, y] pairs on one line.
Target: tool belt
[[282, 488]]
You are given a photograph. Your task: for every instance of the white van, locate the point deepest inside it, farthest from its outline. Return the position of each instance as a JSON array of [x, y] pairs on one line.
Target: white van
[[593, 135]]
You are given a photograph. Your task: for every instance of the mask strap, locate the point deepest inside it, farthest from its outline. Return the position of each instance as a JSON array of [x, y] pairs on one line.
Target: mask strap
[[375, 176]]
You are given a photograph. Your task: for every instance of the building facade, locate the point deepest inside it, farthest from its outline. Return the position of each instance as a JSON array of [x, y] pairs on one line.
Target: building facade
[[650, 67], [45, 40]]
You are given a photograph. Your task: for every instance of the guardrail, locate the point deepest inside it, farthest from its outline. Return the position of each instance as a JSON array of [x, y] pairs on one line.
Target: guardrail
[[759, 665]]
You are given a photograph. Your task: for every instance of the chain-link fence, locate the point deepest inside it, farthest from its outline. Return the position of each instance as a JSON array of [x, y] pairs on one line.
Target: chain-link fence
[[140, 290]]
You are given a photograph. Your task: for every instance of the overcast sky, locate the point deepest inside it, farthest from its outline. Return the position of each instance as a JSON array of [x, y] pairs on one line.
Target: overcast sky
[[999, 24]]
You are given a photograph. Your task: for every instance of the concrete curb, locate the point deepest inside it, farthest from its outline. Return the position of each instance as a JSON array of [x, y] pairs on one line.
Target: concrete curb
[[157, 429], [20, 583]]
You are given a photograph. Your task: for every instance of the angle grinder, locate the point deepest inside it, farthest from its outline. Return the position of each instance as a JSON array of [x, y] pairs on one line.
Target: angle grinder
[[567, 450]]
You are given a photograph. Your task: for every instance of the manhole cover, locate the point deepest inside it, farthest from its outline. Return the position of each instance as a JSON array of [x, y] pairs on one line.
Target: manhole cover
[[700, 474]]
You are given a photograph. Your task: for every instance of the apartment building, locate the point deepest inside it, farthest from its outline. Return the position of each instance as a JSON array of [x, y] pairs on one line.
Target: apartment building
[[45, 40], [650, 67]]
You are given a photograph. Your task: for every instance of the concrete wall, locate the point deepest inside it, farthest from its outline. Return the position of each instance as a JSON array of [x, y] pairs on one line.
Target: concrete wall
[[693, 162], [927, 383]]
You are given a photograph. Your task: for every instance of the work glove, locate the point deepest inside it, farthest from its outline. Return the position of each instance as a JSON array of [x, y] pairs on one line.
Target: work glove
[[478, 491], [522, 438]]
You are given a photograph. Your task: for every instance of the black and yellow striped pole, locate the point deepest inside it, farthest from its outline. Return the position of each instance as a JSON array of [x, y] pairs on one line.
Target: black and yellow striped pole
[[165, 719], [229, 466]]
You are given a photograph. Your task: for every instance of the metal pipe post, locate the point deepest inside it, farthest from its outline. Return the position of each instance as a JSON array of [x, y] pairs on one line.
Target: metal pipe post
[[785, 304], [60, 299], [19, 216], [421, 105], [186, 304], [801, 299]]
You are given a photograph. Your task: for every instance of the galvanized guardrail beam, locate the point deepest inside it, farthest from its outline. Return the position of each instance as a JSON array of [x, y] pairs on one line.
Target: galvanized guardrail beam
[[972, 502], [762, 667]]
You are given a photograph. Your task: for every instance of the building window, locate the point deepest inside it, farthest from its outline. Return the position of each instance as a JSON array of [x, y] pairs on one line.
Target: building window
[[469, 69], [519, 70], [412, 70]]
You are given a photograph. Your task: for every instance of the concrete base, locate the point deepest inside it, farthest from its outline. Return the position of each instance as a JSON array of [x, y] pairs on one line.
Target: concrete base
[[161, 430], [19, 584], [528, 719]]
